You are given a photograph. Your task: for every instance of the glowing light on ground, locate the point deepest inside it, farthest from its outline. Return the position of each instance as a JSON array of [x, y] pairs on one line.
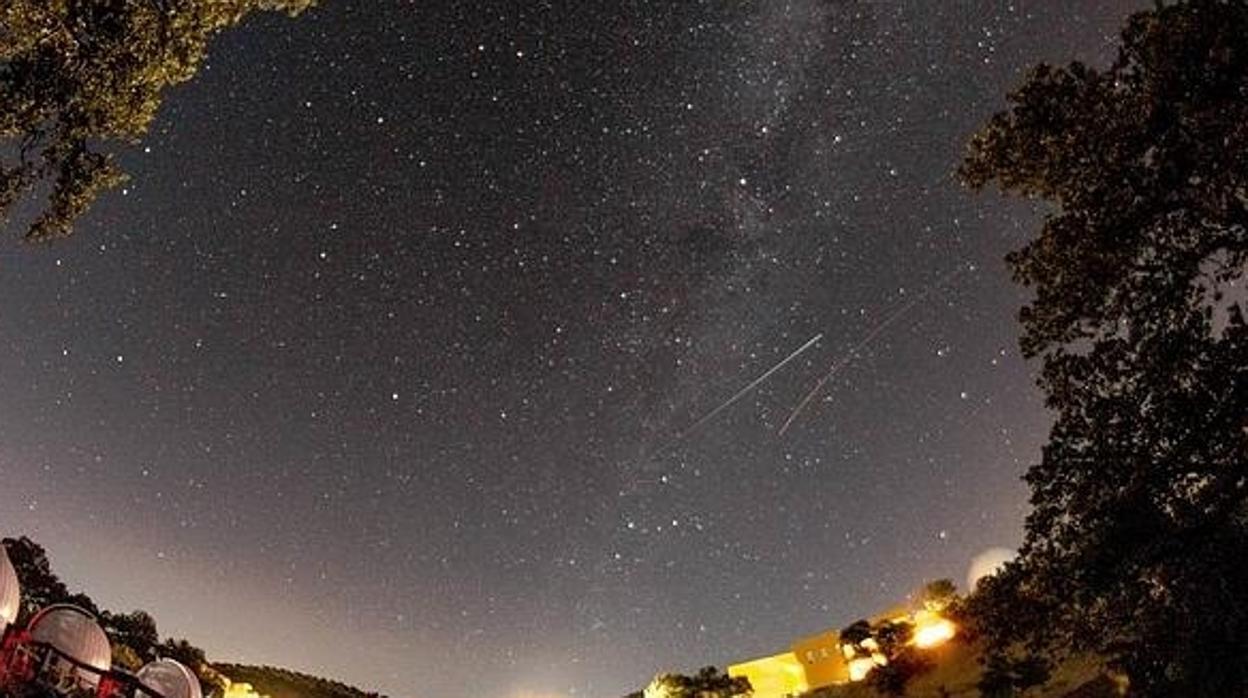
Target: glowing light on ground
[[241, 690], [859, 667], [932, 630]]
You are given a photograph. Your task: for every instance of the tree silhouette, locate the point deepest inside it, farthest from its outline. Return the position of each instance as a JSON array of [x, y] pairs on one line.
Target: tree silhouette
[[77, 74], [40, 585], [284, 683], [892, 636], [135, 631], [855, 633], [903, 665], [939, 595], [709, 682], [1138, 273], [1005, 677]]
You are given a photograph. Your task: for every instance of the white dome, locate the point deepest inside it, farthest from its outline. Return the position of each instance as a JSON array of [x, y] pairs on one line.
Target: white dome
[[986, 564], [74, 633], [170, 679], [10, 592]]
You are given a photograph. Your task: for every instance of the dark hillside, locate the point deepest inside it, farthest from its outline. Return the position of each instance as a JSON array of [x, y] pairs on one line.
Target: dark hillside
[[284, 683]]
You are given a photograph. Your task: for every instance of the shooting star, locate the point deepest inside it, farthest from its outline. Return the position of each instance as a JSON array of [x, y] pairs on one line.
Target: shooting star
[[849, 356], [747, 389]]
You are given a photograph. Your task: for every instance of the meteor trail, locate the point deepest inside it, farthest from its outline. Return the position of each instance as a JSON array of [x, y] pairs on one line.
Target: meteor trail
[[746, 390], [852, 354]]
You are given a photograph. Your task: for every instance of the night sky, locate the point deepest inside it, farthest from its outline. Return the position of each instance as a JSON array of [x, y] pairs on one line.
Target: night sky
[[379, 367]]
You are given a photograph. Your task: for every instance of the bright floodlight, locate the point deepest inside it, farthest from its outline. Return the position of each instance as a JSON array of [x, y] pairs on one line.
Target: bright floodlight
[[10, 591], [170, 679], [987, 564], [859, 667], [74, 633], [932, 630]]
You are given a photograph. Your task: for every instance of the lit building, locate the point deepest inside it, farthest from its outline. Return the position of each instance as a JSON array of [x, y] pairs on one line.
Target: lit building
[[812, 662], [821, 657], [777, 675], [821, 660]]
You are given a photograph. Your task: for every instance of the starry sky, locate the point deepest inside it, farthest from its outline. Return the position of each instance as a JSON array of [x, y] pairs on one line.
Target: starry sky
[[382, 365]]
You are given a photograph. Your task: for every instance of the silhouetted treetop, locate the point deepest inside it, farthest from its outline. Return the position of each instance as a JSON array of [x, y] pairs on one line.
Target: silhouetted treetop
[[76, 75], [1139, 274], [1147, 165]]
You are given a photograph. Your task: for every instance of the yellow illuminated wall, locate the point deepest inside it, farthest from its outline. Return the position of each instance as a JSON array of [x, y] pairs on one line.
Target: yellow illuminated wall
[[776, 676], [814, 662], [819, 661], [821, 657]]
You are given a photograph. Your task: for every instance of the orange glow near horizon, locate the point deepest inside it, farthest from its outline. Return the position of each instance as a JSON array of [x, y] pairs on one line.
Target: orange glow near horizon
[[932, 630]]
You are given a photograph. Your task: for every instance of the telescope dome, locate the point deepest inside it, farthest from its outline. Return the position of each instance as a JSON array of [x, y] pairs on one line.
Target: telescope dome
[[10, 592], [74, 633], [987, 564], [171, 679]]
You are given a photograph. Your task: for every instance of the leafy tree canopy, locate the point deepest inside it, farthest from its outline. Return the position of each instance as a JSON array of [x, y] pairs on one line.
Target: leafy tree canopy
[[136, 632], [1005, 676], [284, 683], [40, 585], [1139, 276], [76, 75], [903, 666], [856, 633], [709, 682], [890, 639], [939, 595]]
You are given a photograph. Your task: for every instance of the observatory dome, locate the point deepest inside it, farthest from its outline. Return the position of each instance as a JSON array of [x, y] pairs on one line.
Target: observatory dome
[[74, 633], [10, 592], [986, 564], [170, 679]]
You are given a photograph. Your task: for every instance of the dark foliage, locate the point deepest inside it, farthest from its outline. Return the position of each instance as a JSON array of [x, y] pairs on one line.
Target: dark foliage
[[135, 631], [1139, 271], [709, 682], [77, 75], [940, 594], [891, 638], [284, 683], [1006, 676], [855, 633], [40, 586], [904, 664]]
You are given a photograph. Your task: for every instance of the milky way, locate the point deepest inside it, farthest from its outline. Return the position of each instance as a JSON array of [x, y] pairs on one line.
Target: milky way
[[371, 369]]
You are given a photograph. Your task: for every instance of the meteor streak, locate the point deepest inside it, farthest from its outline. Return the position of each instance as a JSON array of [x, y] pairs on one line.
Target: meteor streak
[[849, 356], [746, 390]]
